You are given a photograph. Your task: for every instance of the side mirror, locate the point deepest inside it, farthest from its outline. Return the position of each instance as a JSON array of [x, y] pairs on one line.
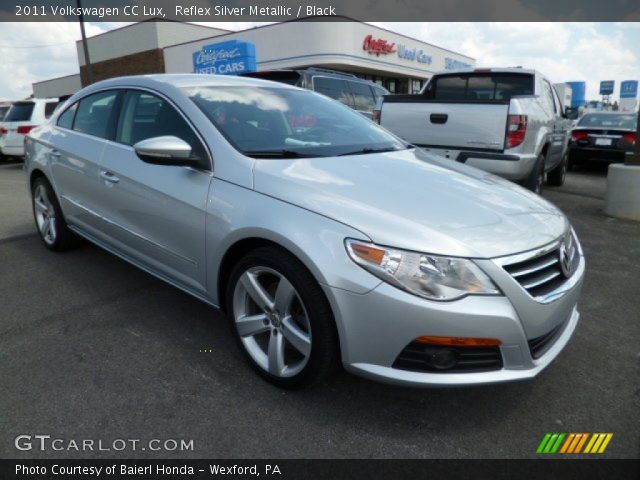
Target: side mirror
[[167, 150], [570, 113]]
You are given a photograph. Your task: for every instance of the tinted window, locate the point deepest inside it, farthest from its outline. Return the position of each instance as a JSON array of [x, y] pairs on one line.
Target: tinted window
[[480, 86], [94, 113], [362, 96], [283, 76], [66, 119], [20, 112], [333, 88], [3, 112], [145, 116], [285, 122], [49, 108], [380, 92]]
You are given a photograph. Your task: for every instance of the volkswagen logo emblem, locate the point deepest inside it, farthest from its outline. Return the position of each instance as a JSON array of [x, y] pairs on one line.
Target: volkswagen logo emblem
[[565, 254]]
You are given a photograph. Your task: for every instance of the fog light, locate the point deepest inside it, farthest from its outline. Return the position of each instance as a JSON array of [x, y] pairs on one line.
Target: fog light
[[443, 359]]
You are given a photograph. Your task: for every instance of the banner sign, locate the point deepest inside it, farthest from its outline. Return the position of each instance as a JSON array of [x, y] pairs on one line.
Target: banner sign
[[226, 58], [629, 89], [606, 87]]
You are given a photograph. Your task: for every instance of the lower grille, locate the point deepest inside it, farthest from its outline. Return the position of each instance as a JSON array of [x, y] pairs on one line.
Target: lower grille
[[417, 357], [539, 345]]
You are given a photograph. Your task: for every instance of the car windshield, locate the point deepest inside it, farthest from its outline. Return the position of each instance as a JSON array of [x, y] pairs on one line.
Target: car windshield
[[625, 121], [289, 123]]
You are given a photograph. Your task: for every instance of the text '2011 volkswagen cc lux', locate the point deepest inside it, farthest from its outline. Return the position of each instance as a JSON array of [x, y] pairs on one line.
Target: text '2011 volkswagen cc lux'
[[324, 238]]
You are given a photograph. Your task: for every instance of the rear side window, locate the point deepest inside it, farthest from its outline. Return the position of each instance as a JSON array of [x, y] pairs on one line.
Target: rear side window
[[145, 116], [66, 119], [20, 112], [333, 88], [480, 86], [49, 108], [94, 113], [362, 96], [3, 112]]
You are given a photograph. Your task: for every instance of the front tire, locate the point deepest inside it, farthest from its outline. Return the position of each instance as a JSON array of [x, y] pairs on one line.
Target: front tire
[[281, 319], [50, 222]]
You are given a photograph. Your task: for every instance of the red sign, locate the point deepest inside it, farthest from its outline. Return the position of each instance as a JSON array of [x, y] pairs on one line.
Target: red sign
[[377, 46]]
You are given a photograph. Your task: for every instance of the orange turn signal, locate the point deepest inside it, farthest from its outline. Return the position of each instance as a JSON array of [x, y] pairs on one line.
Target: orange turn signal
[[370, 254], [460, 341]]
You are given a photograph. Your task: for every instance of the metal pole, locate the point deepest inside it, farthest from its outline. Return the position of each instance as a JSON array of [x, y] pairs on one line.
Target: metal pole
[[85, 46]]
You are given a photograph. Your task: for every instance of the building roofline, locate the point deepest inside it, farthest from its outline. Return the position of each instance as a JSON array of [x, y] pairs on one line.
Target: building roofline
[[57, 78], [324, 19]]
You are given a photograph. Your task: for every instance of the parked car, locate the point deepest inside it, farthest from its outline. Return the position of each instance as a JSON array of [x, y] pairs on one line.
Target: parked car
[[335, 242], [603, 137], [21, 118], [507, 121], [361, 95]]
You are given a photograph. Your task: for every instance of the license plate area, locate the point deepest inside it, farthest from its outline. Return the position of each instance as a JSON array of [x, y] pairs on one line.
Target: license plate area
[[603, 142]]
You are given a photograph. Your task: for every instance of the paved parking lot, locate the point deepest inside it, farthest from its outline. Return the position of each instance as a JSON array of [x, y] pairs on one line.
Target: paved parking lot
[[92, 348]]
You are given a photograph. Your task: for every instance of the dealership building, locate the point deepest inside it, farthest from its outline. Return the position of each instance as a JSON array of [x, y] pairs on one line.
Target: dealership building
[[399, 63]]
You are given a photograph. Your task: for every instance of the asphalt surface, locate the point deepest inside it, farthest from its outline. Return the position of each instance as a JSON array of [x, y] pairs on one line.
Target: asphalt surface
[[93, 348]]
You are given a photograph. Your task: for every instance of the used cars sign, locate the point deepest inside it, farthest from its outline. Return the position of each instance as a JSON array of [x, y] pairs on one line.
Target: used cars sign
[[226, 58]]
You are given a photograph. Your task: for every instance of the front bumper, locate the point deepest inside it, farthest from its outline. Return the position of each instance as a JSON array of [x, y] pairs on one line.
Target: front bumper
[[375, 327]]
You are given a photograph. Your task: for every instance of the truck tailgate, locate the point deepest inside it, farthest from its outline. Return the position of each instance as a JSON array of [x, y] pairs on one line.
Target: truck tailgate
[[455, 125]]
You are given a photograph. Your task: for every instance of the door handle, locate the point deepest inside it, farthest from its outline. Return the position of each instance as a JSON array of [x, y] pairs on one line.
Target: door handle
[[109, 177], [439, 118], [54, 153]]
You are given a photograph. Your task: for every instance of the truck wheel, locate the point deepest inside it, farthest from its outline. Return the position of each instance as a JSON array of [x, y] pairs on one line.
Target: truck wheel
[[536, 178], [557, 175]]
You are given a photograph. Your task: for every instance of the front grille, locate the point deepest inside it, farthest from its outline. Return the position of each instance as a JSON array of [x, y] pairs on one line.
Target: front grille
[[416, 357], [541, 274]]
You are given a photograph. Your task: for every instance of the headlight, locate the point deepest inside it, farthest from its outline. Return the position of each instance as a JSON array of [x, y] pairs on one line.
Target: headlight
[[429, 276]]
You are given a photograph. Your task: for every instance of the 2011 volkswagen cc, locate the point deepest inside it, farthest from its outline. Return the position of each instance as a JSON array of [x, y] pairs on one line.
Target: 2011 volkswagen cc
[[323, 237]]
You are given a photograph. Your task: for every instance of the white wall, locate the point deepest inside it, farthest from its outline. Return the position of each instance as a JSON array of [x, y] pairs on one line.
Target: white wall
[[294, 44], [57, 87]]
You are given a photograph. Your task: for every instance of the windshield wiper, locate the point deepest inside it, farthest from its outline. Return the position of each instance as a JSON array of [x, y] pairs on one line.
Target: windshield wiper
[[278, 154], [364, 151]]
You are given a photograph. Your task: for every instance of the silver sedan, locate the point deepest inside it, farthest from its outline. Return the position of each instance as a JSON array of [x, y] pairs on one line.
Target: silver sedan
[[324, 238]]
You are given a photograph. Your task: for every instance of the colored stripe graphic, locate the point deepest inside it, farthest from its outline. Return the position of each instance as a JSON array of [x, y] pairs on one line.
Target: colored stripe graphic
[[572, 443]]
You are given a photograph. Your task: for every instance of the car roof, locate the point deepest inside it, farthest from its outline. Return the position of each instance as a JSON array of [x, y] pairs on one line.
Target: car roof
[[490, 70], [183, 80]]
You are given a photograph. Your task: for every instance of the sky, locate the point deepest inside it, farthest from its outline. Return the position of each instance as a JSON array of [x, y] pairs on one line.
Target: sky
[[31, 52]]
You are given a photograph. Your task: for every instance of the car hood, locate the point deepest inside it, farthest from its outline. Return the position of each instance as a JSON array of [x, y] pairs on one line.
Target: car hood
[[416, 201]]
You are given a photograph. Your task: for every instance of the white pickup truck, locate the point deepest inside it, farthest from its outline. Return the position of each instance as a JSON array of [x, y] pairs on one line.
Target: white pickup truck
[[506, 121]]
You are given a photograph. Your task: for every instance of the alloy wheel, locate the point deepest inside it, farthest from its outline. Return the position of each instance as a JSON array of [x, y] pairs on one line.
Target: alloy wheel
[[45, 215], [272, 321]]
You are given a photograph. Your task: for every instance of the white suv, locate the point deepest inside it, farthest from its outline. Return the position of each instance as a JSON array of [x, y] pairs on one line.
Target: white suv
[[21, 118]]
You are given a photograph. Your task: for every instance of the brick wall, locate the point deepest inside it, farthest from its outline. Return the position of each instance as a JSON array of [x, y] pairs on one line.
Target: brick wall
[[150, 61]]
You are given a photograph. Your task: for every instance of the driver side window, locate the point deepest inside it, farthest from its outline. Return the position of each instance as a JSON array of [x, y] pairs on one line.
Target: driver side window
[[144, 115]]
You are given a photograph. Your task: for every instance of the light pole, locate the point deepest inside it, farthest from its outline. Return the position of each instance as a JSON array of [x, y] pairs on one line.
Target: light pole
[[85, 46]]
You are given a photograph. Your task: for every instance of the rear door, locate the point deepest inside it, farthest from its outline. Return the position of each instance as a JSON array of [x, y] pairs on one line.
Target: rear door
[[556, 124], [156, 213], [75, 151], [461, 111]]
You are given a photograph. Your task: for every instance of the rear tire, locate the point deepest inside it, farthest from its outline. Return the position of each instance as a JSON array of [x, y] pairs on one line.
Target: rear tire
[[51, 225], [281, 319], [557, 176], [536, 178]]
